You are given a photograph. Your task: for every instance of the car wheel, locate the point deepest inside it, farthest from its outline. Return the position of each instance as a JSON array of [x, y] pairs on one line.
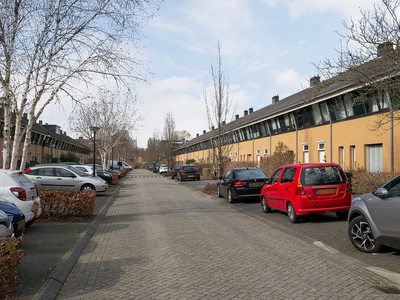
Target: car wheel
[[230, 198], [29, 223], [361, 235], [342, 215], [265, 206], [87, 187], [293, 217], [219, 193]]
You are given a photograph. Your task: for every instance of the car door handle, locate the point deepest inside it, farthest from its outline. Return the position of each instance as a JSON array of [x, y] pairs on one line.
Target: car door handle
[[274, 189], [286, 188], [59, 178]]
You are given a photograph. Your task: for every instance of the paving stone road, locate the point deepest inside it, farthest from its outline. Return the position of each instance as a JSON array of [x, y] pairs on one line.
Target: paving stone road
[[161, 240]]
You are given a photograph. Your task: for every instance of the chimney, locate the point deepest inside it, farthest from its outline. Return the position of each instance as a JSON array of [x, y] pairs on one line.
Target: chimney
[[40, 122], [275, 99], [81, 138], [25, 116], [246, 112], [250, 110], [223, 122], [384, 48], [237, 117], [197, 134], [314, 80], [212, 127], [204, 132]]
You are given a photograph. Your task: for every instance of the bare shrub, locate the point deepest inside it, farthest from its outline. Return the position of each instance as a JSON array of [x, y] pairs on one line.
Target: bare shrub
[[210, 189], [10, 260], [364, 182], [282, 156]]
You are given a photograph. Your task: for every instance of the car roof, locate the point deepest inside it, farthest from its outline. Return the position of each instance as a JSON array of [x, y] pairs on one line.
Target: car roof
[[310, 165]]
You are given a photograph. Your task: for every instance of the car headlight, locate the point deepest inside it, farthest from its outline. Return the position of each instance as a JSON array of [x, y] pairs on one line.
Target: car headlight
[[356, 199], [4, 220]]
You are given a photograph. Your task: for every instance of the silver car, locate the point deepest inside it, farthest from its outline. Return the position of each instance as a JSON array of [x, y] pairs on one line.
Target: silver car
[[374, 218], [64, 177]]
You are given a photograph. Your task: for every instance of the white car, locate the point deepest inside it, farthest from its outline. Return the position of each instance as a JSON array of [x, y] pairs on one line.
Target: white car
[[84, 168], [19, 190], [163, 168]]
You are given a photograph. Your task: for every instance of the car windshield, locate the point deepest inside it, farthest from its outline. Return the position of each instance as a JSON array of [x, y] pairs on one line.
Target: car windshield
[[249, 173], [322, 175], [78, 172]]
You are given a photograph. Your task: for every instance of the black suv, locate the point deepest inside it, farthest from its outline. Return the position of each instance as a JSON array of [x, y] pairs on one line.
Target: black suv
[[188, 172]]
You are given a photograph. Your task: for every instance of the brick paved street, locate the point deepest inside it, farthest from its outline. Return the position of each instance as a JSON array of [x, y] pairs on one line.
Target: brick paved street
[[160, 240]]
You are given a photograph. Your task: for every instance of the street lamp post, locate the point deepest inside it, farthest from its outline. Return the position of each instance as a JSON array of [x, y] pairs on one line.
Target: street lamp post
[[94, 129]]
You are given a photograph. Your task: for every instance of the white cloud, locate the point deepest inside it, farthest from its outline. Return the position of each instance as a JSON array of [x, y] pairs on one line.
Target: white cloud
[[290, 78], [171, 26]]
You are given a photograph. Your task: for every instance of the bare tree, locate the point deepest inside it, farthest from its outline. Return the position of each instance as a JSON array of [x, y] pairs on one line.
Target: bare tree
[[153, 148], [369, 61], [116, 116], [168, 143], [218, 111], [56, 49]]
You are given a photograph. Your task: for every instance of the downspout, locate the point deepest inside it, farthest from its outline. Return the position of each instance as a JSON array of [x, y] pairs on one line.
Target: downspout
[[391, 134], [297, 134], [330, 132]]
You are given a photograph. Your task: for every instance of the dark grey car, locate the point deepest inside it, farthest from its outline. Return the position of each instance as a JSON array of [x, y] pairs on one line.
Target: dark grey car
[[374, 218]]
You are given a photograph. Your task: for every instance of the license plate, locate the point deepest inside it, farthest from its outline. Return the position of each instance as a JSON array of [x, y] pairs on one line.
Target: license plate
[[191, 176], [255, 184], [35, 207], [21, 225], [326, 191]]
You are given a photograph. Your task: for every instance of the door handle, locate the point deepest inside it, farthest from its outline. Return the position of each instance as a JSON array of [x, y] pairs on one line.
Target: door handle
[[286, 188], [59, 178]]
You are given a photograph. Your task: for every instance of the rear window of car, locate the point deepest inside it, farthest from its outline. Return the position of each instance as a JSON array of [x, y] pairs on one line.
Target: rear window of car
[[249, 173], [163, 166], [322, 175], [189, 167]]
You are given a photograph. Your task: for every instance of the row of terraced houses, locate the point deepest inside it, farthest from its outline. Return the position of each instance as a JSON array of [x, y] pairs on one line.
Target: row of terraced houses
[[49, 142], [324, 127]]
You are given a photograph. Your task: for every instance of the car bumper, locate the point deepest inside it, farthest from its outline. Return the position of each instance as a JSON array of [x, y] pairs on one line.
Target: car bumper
[[317, 210]]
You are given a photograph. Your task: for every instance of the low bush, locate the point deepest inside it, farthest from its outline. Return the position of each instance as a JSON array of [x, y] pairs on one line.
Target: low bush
[[210, 189], [364, 182], [10, 260], [115, 179], [66, 205]]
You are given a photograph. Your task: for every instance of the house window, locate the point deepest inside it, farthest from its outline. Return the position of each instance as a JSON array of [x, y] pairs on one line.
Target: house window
[[306, 154], [321, 145], [258, 152], [341, 157], [353, 157], [374, 158], [265, 152], [249, 157]]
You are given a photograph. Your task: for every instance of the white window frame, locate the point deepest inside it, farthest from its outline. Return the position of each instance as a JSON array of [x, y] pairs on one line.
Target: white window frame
[[306, 145], [321, 145], [265, 152], [257, 152]]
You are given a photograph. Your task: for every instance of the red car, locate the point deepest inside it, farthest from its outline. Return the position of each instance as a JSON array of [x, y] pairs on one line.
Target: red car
[[304, 189]]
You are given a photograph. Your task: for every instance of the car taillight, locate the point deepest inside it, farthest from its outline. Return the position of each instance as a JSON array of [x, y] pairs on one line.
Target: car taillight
[[347, 186], [37, 190], [20, 193], [240, 183], [196, 170], [299, 189]]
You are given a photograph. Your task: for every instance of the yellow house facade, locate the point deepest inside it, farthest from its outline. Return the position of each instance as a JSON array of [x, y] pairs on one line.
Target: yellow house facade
[[325, 127]]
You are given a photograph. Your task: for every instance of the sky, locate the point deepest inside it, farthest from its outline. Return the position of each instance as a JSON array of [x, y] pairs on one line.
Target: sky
[[267, 49]]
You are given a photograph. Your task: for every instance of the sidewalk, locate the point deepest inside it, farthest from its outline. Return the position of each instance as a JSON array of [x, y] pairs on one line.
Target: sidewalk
[[53, 248]]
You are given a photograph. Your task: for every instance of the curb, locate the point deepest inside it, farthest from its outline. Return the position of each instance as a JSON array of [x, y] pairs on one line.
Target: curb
[[57, 278]]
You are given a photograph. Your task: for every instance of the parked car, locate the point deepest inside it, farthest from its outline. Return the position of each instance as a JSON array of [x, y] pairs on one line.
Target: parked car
[[241, 183], [156, 166], [19, 190], [113, 172], [174, 171], [64, 177], [16, 217], [374, 218], [188, 172], [150, 167], [102, 173], [85, 169], [304, 189], [5, 224], [163, 169]]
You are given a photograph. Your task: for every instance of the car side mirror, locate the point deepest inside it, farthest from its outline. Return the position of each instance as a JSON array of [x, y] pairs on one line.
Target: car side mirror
[[381, 193], [220, 177]]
